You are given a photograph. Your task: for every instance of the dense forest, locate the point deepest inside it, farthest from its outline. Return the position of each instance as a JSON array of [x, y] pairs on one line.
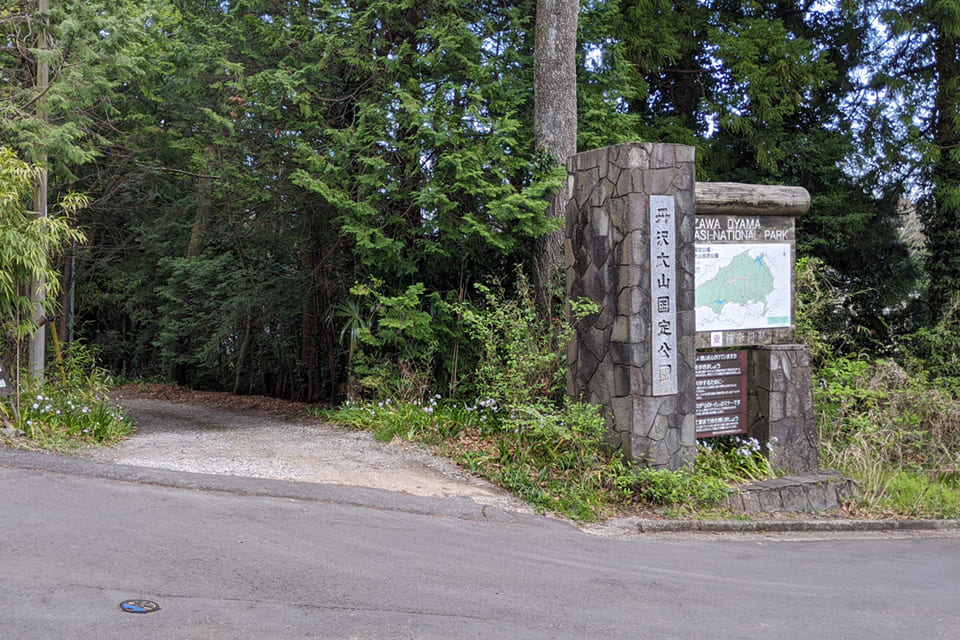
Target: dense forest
[[294, 197]]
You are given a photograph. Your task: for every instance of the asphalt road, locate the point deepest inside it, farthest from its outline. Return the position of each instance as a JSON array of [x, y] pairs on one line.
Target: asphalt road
[[247, 558]]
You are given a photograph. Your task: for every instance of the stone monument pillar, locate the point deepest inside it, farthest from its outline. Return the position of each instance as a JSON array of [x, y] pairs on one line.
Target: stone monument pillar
[[630, 248], [780, 406]]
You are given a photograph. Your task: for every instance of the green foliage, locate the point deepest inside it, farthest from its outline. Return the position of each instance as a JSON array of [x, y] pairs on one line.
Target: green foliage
[[71, 409], [881, 425], [522, 365], [522, 432], [684, 489], [935, 350], [820, 321], [519, 434], [59, 420], [94, 49], [734, 459], [557, 464], [891, 425], [28, 245], [77, 372], [918, 69], [771, 65], [394, 343], [331, 145], [768, 94], [919, 495]]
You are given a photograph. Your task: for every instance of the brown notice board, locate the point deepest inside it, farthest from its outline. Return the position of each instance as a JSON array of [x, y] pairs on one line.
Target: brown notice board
[[721, 393]]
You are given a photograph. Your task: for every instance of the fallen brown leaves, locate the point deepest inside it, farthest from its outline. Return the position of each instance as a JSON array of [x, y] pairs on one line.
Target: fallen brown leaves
[[219, 399]]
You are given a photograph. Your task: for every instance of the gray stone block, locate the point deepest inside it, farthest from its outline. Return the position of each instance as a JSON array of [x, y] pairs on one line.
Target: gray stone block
[[608, 256], [770, 500], [734, 502], [795, 498], [751, 501]]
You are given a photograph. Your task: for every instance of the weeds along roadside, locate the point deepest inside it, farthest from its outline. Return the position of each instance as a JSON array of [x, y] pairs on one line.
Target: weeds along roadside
[[71, 409], [891, 423], [555, 459], [892, 427], [518, 429]]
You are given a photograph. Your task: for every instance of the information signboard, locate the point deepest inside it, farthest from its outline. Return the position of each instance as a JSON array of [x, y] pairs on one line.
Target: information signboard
[[721, 393], [743, 280]]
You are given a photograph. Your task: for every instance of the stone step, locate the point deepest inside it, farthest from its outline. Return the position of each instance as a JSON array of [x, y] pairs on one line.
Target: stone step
[[822, 491]]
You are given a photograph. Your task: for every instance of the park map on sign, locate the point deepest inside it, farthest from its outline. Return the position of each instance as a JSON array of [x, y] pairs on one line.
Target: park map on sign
[[742, 286]]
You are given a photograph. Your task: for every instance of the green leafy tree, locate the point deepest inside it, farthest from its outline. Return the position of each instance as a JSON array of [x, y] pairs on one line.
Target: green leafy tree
[[92, 50], [61, 64], [768, 93], [294, 150], [28, 247], [916, 67]]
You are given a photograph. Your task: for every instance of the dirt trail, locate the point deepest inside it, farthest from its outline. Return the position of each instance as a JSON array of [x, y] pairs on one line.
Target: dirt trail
[[197, 437]]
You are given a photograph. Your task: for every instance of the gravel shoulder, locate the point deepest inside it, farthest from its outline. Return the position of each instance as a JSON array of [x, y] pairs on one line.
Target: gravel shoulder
[[197, 433]]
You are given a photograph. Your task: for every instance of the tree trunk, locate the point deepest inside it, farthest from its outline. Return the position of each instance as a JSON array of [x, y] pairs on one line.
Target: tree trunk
[[555, 124], [67, 280], [244, 350], [329, 332]]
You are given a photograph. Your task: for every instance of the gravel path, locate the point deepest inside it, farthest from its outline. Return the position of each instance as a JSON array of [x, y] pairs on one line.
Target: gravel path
[[206, 439]]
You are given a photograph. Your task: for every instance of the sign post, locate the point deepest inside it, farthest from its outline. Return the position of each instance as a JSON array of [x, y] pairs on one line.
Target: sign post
[[682, 272], [721, 393]]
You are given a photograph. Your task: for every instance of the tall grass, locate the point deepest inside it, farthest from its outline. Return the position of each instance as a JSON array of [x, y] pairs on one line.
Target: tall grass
[[892, 424]]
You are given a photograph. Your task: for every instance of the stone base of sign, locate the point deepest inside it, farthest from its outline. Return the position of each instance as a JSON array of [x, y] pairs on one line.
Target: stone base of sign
[[613, 360], [826, 491], [780, 406]]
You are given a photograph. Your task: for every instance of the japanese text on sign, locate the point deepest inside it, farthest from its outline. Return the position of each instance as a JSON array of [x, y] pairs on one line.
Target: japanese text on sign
[[721, 393], [663, 294]]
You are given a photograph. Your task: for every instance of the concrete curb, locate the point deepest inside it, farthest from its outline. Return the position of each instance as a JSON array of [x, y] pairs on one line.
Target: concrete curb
[[811, 524]]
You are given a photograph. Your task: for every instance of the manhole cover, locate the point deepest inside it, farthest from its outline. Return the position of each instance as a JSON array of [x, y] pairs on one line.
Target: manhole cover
[[139, 606]]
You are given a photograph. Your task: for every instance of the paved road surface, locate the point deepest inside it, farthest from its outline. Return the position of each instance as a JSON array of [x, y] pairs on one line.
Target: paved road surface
[[200, 438], [248, 558]]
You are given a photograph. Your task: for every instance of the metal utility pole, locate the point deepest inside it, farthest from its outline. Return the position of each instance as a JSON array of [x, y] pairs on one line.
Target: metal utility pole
[[38, 343]]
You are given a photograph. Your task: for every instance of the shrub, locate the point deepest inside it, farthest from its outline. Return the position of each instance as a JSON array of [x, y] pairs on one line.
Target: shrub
[[734, 459], [392, 341], [881, 426], [71, 409]]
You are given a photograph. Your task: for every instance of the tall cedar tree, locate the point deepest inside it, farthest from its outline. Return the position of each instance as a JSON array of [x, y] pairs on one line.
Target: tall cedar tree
[[917, 58], [762, 90], [299, 148], [554, 125]]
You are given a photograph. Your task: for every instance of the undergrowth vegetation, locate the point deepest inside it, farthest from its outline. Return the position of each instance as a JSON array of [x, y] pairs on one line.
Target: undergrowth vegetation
[[897, 433], [892, 423], [560, 466], [70, 409], [521, 432]]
